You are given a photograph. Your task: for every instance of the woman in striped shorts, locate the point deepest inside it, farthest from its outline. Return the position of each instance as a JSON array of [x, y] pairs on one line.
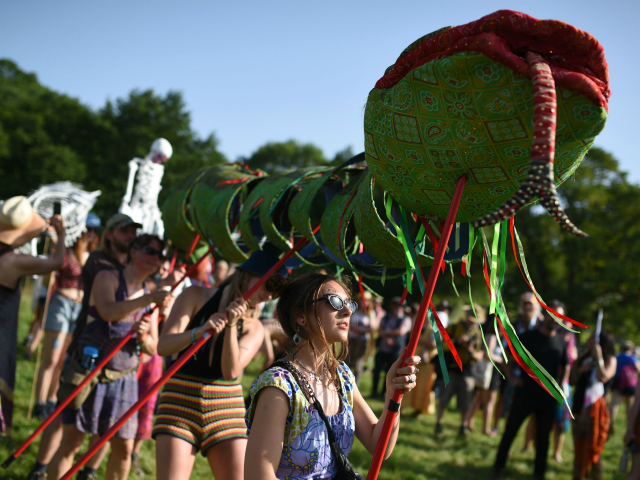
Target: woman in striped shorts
[[201, 407]]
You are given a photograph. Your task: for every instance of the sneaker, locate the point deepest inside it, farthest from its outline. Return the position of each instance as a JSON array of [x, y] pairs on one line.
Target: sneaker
[[135, 465], [438, 432], [33, 475], [40, 411], [84, 475], [51, 406]]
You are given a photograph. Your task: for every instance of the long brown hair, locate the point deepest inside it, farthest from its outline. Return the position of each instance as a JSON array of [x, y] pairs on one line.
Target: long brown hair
[[238, 283], [296, 298]]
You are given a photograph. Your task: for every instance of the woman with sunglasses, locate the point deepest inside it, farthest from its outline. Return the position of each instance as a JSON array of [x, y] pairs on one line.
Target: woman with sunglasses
[[119, 301], [288, 436], [201, 406]]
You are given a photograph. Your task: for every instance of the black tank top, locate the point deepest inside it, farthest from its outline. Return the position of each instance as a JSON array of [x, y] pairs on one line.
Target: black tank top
[[198, 364]]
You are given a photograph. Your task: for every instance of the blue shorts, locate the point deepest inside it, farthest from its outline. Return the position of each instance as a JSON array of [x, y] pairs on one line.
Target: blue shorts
[[62, 314]]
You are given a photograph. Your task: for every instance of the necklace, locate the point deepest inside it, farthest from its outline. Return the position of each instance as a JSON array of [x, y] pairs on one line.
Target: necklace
[[313, 375]]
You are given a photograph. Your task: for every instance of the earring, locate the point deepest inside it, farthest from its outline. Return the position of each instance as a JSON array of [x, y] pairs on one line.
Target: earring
[[296, 337]]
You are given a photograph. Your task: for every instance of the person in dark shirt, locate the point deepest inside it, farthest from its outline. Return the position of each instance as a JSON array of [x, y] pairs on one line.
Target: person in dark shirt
[[120, 231], [392, 332], [550, 350]]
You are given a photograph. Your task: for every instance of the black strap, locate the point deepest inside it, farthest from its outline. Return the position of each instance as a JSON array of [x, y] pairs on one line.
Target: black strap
[[393, 406], [310, 394]]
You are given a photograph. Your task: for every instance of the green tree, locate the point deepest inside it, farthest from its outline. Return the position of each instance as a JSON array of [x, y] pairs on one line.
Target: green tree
[[47, 137], [277, 156], [587, 273]]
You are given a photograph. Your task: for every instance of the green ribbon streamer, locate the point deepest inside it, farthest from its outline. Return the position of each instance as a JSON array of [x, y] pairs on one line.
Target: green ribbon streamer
[[538, 370], [453, 284], [472, 240], [384, 275], [405, 231], [487, 349], [457, 243], [494, 266], [523, 261], [339, 272], [403, 240], [504, 232], [436, 334]]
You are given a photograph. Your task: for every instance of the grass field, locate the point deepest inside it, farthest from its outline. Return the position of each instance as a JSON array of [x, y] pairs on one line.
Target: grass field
[[417, 454]]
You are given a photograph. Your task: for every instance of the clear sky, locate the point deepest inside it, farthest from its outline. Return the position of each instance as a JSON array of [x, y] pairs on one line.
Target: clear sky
[[272, 70]]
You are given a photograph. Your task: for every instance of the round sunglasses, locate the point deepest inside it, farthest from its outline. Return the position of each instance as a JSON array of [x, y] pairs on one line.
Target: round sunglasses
[[149, 250], [338, 303]]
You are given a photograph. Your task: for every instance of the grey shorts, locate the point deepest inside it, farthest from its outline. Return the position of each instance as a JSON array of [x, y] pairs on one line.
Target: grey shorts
[[460, 385], [62, 314]]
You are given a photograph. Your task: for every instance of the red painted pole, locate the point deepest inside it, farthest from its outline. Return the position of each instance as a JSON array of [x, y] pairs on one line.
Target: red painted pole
[[192, 247], [174, 367], [91, 374], [394, 405]]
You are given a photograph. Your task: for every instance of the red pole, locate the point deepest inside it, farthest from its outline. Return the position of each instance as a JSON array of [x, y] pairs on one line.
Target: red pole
[[174, 367], [91, 374], [173, 260], [394, 404], [192, 247]]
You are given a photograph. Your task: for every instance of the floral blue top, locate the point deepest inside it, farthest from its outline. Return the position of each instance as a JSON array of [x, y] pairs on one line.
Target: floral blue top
[[306, 453]]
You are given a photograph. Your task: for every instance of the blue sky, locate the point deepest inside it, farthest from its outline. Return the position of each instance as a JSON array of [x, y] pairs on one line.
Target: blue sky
[[272, 70]]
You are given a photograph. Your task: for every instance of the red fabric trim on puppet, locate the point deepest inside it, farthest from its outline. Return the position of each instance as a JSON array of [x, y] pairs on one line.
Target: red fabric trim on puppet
[[576, 58]]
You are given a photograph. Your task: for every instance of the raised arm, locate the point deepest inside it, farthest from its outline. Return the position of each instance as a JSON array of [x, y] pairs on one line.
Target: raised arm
[[103, 294], [28, 265], [174, 338], [368, 427], [236, 354], [266, 437]]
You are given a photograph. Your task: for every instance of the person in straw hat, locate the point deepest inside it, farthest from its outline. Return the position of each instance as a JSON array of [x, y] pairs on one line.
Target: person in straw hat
[[19, 223]]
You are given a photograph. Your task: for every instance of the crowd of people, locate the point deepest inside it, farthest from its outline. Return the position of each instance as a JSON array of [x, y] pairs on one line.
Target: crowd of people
[[318, 342]]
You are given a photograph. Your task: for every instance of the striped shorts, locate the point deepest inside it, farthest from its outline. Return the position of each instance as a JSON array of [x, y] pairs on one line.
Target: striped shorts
[[200, 411]]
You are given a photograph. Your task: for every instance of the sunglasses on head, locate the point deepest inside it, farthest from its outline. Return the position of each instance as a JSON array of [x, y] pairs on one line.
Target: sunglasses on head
[[149, 250], [338, 303]]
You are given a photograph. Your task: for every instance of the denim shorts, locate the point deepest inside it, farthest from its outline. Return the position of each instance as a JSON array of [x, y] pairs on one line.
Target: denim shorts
[[62, 314]]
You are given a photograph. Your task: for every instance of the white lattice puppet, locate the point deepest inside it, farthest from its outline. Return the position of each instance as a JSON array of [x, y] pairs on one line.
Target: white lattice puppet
[[141, 203]]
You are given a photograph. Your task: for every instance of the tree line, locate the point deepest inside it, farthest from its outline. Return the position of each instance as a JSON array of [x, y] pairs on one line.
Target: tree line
[[46, 136]]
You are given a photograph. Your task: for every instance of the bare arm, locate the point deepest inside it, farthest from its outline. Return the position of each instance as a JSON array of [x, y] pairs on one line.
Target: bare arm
[[103, 294], [236, 354], [368, 427], [266, 438], [174, 338], [147, 330], [605, 370]]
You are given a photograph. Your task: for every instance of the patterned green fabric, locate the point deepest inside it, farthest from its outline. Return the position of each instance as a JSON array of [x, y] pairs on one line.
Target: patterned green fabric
[[210, 206], [301, 208], [177, 226], [466, 113], [377, 239], [276, 195]]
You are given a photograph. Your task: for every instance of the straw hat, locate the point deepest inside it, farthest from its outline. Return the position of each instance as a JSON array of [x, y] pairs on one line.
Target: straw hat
[[19, 222]]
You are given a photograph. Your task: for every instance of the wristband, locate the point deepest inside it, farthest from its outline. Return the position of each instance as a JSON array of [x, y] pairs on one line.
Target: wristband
[[147, 340], [193, 335], [601, 362], [158, 286]]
